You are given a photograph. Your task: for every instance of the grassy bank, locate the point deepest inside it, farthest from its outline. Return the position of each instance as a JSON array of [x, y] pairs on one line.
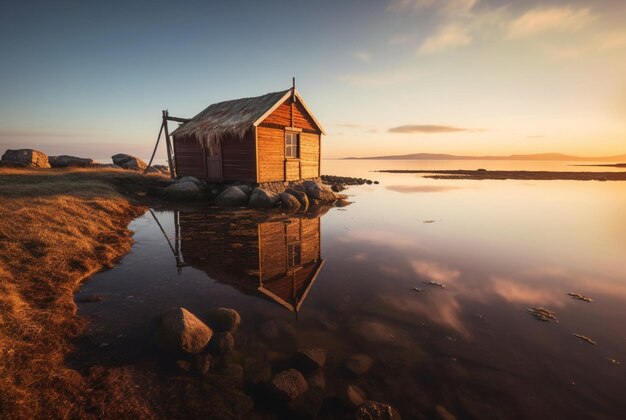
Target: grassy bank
[[57, 227]]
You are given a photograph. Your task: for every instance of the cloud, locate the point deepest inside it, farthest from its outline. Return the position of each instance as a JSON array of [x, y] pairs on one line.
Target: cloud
[[446, 38], [388, 78], [428, 129], [536, 21], [448, 7], [363, 56]]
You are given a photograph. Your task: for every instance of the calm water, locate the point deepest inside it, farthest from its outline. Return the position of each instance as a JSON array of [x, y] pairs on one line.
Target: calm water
[[499, 247]]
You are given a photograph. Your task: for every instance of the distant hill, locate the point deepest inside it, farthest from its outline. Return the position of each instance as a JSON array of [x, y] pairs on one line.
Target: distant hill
[[536, 156]]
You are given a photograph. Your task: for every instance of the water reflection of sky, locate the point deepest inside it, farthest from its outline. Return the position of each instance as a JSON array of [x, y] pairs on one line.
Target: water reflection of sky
[[499, 247]]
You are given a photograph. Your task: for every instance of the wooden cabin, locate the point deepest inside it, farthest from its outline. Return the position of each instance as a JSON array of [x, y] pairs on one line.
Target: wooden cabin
[[279, 260], [268, 138]]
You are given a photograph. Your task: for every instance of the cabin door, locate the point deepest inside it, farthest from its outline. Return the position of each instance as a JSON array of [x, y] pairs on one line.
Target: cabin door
[[214, 164]]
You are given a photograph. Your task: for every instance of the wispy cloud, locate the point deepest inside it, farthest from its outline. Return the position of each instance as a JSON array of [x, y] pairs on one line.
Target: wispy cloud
[[448, 37], [449, 7], [428, 129], [388, 78], [536, 21], [363, 56]]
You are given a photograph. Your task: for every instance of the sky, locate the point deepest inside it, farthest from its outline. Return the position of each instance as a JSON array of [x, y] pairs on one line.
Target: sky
[[382, 76]]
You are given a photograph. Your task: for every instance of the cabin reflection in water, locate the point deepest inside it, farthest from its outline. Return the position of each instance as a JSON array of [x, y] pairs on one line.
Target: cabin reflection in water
[[277, 259]]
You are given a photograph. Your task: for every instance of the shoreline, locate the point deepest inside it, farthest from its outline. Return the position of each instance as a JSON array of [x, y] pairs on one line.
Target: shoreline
[[481, 174], [57, 229]]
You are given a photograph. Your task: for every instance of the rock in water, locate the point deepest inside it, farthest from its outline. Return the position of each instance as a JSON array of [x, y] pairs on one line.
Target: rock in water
[[180, 331], [314, 357], [355, 395], [263, 199], [129, 162], [319, 191], [372, 410], [65, 161], [182, 191], [232, 197], [289, 202], [224, 319], [300, 196], [289, 384], [359, 363], [25, 158]]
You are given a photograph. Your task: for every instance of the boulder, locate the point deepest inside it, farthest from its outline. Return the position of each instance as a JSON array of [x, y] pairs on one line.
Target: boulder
[[262, 199], [224, 319], [289, 202], [232, 197], [319, 191], [129, 162], [182, 191], [245, 188], [359, 363], [313, 357], [180, 331], [25, 158], [300, 196], [372, 410], [65, 161], [289, 384], [198, 182]]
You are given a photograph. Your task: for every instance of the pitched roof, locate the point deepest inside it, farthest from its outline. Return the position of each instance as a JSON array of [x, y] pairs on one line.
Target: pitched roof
[[234, 117]]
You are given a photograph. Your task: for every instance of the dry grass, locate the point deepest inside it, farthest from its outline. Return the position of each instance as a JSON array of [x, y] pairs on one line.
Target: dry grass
[[57, 227]]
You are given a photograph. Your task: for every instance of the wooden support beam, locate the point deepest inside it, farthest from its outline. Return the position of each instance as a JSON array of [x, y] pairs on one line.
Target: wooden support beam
[[168, 144], [177, 119]]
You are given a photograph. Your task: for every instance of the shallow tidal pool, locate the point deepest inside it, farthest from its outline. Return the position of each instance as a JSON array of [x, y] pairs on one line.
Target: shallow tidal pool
[[432, 279]]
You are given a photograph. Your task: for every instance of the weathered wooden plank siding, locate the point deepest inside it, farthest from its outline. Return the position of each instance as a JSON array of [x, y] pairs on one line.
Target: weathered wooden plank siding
[[189, 158], [282, 116], [271, 146], [239, 158], [309, 155], [271, 157]]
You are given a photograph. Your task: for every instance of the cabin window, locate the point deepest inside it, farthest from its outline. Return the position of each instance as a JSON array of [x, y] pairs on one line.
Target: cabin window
[[294, 255], [292, 145]]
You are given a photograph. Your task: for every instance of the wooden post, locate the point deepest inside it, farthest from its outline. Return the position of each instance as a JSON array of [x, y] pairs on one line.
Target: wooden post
[[293, 97], [168, 145]]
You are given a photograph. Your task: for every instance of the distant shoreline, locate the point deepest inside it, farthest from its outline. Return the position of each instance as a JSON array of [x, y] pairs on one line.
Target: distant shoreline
[[611, 165], [513, 175]]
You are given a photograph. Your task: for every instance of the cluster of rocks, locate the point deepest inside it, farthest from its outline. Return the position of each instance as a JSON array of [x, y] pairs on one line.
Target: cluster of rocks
[[30, 158], [289, 197], [296, 196], [295, 384], [339, 182]]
